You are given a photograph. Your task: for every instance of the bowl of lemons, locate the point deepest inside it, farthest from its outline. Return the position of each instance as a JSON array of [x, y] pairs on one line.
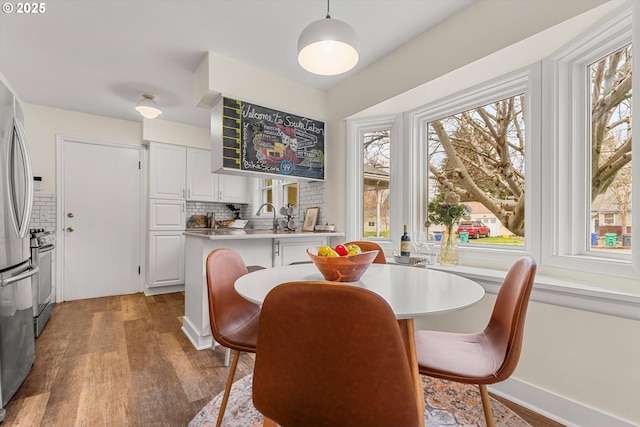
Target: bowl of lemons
[[342, 263]]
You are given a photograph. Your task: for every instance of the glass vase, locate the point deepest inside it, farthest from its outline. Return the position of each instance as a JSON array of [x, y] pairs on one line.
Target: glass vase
[[449, 248]]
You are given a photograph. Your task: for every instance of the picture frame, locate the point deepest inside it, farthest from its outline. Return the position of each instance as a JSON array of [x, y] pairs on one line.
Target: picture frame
[[310, 219]]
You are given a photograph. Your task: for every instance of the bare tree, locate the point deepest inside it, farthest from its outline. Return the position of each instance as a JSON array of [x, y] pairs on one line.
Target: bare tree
[[479, 153], [610, 118]]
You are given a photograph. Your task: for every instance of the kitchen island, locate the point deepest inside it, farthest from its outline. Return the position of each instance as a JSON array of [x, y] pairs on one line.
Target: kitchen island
[[267, 248]]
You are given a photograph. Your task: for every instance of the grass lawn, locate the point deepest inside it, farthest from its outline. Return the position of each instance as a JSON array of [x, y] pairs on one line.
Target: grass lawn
[[498, 240]]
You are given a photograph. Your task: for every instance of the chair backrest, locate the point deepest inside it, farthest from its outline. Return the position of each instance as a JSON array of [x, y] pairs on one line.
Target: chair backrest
[[506, 325], [366, 245], [228, 311], [331, 354]]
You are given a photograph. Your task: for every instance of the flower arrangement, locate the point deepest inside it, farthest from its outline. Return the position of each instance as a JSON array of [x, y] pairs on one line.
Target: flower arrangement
[[446, 210]]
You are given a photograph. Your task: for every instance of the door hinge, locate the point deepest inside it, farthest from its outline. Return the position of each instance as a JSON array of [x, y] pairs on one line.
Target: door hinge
[[138, 270]]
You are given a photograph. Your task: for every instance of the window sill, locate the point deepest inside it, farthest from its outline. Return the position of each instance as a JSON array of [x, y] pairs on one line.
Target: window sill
[[554, 290]]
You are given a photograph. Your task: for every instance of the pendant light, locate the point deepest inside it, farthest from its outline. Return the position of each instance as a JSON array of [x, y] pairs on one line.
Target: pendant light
[[148, 107], [328, 47]]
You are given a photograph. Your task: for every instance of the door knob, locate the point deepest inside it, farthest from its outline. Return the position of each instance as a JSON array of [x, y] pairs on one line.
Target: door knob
[[70, 215], [70, 229]]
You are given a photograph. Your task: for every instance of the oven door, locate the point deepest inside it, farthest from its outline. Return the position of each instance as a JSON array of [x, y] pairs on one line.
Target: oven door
[[43, 282]]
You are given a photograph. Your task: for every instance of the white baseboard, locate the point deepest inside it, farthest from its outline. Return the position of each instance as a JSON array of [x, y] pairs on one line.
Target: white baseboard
[[199, 342], [555, 407], [163, 290]]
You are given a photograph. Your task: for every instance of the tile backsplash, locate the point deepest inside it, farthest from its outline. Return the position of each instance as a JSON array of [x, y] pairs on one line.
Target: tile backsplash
[[43, 214], [310, 194]]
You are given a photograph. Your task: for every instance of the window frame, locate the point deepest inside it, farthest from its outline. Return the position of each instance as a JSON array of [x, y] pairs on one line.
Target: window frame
[[524, 81], [567, 205], [278, 192], [354, 195]]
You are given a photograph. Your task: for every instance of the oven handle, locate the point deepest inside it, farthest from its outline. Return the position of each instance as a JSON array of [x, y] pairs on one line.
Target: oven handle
[[24, 275]]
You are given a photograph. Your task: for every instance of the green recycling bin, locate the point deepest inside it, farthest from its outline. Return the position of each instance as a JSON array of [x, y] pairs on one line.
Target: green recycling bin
[[610, 239], [464, 236]]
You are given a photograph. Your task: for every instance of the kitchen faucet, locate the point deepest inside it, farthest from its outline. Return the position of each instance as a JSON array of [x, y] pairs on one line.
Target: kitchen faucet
[[273, 208]]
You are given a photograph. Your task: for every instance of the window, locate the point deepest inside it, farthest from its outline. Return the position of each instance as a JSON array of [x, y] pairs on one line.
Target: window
[[376, 178], [373, 184], [479, 154], [277, 192], [608, 219], [477, 144], [588, 146], [610, 144]]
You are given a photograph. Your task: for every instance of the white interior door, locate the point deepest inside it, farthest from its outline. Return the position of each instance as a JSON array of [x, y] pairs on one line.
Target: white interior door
[[101, 219]]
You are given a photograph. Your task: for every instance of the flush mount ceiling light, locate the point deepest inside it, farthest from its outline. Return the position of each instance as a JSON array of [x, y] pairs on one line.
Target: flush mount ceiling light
[[147, 107], [328, 47]]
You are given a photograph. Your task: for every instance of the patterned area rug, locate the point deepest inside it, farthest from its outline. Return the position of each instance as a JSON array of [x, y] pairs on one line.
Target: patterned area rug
[[447, 404]]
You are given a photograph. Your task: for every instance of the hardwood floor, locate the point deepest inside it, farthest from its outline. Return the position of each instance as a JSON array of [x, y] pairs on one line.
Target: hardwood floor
[[124, 361]]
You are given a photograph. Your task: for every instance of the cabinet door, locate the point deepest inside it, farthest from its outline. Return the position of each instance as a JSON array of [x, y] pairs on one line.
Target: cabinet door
[[166, 258], [201, 183], [167, 171], [291, 250], [233, 189], [166, 214]]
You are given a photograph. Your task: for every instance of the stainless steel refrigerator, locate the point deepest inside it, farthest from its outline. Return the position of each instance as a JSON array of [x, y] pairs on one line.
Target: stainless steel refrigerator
[[17, 342]]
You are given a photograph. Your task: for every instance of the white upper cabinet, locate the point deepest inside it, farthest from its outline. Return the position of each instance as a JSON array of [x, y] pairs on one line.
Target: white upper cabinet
[[167, 171], [233, 189], [201, 183], [184, 173]]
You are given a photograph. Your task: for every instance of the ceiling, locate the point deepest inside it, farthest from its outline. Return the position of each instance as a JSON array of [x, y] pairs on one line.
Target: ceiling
[[98, 56]]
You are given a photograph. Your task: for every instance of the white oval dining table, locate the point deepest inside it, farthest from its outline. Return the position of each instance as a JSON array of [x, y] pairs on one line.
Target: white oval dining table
[[410, 291]]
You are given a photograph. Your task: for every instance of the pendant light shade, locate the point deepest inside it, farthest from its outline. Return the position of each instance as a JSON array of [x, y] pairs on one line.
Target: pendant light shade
[[148, 107], [328, 47]]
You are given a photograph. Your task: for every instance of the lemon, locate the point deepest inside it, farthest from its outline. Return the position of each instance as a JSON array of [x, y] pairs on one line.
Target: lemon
[[324, 251]]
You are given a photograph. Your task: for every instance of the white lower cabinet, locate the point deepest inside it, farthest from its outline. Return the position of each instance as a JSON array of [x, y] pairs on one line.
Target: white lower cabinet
[[166, 259], [166, 214], [286, 251]]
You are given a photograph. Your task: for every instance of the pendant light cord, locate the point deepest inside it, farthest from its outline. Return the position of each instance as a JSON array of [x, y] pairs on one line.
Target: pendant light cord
[[328, 16]]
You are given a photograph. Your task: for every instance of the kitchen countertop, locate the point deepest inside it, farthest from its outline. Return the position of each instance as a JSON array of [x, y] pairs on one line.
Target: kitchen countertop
[[251, 233]]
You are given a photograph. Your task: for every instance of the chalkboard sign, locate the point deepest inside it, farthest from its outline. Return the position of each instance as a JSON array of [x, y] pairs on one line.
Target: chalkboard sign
[[264, 140]]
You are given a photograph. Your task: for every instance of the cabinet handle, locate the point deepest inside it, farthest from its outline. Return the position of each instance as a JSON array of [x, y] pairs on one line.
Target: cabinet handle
[[277, 251]]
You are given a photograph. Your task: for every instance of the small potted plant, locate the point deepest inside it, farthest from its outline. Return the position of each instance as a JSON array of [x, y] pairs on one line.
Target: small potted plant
[[447, 210]]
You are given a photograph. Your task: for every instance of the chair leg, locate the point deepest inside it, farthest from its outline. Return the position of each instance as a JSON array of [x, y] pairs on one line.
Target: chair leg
[[269, 423], [227, 355], [486, 405], [227, 389]]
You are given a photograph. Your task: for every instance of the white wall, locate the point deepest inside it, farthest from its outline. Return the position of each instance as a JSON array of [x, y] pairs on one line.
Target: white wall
[[42, 124]]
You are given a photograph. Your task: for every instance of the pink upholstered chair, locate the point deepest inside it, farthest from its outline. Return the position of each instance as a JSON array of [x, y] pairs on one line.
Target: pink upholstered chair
[[233, 319], [485, 357], [331, 354]]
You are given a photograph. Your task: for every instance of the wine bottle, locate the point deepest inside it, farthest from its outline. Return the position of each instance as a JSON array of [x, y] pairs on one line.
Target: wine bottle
[[405, 243]]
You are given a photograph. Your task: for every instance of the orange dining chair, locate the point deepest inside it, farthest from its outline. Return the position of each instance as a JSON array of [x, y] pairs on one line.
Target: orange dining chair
[[367, 245], [233, 319], [486, 357], [331, 354]]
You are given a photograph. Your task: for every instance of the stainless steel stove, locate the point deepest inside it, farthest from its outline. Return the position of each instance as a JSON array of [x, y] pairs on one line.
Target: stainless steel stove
[[42, 245]]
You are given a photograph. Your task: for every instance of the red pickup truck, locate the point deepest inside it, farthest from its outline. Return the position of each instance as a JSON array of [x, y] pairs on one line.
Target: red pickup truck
[[475, 229]]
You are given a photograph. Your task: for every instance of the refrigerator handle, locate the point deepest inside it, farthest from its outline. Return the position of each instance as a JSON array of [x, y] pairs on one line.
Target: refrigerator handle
[[24, 275], [22, 141]]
